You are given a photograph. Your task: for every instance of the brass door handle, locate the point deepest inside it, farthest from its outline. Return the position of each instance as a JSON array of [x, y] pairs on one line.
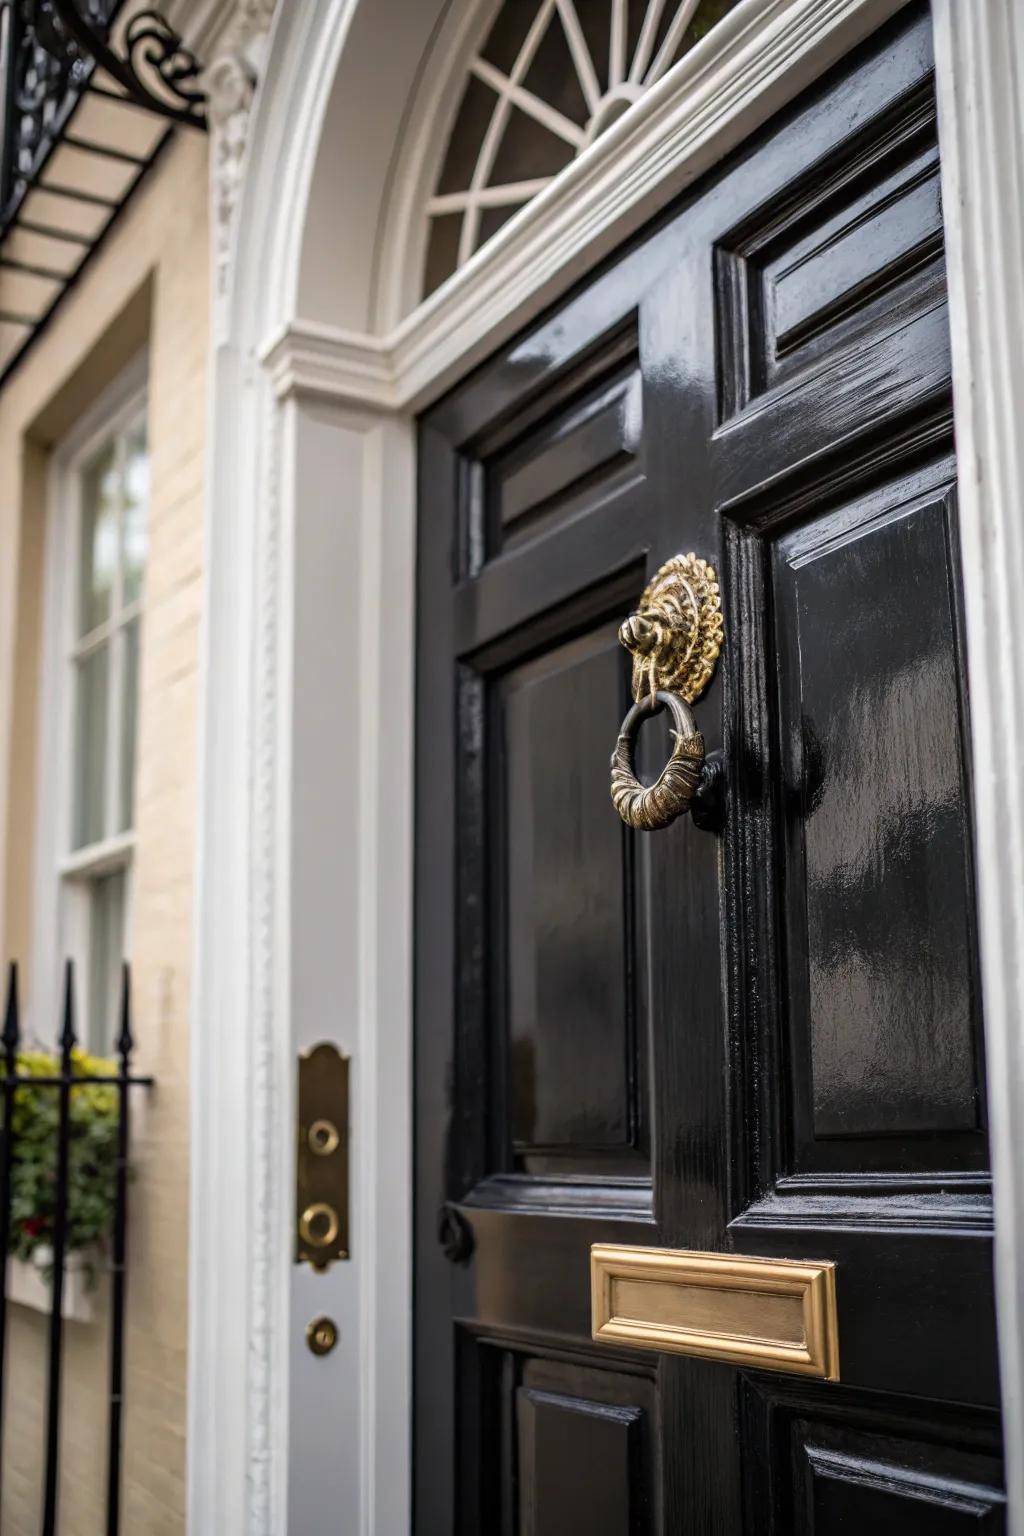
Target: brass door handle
[[778, 1314], [675, 638]]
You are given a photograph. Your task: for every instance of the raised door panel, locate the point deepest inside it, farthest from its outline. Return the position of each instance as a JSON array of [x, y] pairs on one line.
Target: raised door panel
[[831, 292], [537, 473], [551, 973], [555, 1444], [854, 250], [577, 1080], [850, 1492], [578, 1465], [879, 925], [844, 1462]]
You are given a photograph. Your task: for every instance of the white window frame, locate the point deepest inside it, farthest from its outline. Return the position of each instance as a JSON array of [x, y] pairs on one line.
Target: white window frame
[[63, 874]]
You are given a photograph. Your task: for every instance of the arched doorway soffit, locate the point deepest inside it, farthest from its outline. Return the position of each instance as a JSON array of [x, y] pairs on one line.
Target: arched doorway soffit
[[520, 91], [383, 132]]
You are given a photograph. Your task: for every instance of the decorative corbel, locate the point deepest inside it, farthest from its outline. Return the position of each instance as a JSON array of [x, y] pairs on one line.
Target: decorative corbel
[[229, 82]]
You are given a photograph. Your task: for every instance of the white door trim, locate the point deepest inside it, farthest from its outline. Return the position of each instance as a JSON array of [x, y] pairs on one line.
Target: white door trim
[[310, 562], [980, 71]]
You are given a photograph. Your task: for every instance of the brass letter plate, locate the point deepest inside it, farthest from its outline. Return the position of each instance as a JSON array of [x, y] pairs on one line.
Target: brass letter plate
[[321, 1169], [779, 1314]]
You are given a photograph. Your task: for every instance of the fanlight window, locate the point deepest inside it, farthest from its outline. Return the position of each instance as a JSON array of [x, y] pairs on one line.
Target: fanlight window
[[549, 79]]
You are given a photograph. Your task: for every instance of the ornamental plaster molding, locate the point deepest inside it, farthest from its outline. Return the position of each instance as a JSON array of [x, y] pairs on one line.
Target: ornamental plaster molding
[[268, 1207], [230, 80]]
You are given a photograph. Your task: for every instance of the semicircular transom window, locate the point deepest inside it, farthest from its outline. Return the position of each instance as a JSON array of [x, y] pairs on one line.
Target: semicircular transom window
[[550, 78]]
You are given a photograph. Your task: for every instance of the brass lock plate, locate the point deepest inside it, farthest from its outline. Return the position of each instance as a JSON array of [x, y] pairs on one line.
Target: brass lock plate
[[322, 1158]]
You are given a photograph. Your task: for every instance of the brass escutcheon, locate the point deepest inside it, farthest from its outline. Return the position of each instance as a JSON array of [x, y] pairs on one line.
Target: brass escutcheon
[[318, 1224], [322, 1157], [674, 638]]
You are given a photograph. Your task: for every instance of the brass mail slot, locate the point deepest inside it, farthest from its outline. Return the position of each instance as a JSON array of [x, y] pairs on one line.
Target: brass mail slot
[[779, 1314]]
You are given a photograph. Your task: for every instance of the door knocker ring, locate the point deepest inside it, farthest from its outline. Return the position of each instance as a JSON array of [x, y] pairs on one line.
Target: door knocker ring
[[675, 638]]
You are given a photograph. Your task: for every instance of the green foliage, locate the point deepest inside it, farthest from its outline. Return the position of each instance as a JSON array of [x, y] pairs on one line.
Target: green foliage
[[92, 1156]]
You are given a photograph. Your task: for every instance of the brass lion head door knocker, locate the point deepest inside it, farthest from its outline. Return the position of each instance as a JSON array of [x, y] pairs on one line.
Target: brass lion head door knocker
[[674, 638]]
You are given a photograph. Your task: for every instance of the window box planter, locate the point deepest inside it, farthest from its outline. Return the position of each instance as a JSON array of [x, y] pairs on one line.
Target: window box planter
[[29, 1285]]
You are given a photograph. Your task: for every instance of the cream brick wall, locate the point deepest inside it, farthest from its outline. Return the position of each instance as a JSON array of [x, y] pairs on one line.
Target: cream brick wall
[[150, 277]]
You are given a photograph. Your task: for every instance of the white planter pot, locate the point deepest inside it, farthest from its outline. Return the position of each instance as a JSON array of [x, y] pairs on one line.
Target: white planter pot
[[28, 1285]]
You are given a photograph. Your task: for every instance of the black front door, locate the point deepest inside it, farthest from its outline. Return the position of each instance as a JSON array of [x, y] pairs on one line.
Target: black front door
[[760, 1040]]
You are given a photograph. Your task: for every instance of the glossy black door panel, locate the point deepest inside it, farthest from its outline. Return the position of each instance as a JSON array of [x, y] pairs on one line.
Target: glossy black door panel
[[577, 1089], [767, 1039], [586, 1449], [881, 993], [861, 1482], [577, 1444], [587, 441], [853, 253], [852, 1462]]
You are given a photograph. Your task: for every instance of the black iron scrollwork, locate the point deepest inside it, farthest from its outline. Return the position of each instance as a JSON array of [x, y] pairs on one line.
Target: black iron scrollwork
[[156, 70], [707, 808], [49, 51], [44, 72]]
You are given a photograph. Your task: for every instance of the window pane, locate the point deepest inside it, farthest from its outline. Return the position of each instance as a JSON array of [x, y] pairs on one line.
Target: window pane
[[99, 540], [106, 952], [136, 499], [90, 747], [129, 724]]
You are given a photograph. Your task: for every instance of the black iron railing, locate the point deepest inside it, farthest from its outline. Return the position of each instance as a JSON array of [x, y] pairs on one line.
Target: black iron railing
[[66, 1080], [43, 73], [75, 73]]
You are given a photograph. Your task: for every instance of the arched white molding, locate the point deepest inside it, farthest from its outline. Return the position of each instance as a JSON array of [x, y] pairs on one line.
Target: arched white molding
[[304, 884], [395, 54], [605, 69], [758, 58]]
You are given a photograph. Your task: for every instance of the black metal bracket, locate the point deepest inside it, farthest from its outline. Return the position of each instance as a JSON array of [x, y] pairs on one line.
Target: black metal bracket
[[156, 70], [454, 1233], [707, 808]]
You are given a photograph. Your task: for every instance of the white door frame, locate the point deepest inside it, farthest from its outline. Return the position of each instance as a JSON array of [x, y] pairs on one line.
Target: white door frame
[[305, 859]]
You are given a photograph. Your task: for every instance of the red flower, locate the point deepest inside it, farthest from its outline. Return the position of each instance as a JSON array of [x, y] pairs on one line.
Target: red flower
[[34, 1226]]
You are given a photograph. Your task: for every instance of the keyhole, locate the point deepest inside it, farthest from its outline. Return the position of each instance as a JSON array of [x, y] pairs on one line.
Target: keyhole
[[322, 1335]]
